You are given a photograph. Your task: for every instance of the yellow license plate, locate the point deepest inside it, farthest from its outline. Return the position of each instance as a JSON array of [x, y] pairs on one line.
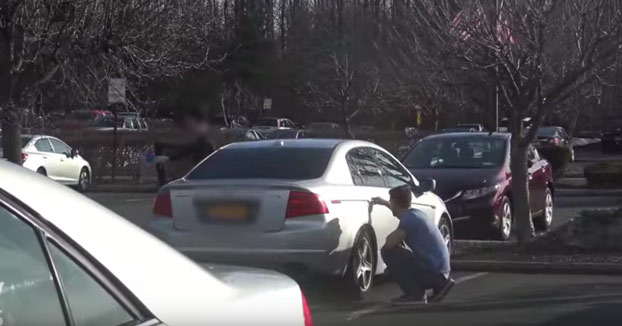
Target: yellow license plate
[[227, 212]]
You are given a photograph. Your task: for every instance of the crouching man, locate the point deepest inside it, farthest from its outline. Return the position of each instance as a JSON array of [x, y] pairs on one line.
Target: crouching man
[[415, 253]]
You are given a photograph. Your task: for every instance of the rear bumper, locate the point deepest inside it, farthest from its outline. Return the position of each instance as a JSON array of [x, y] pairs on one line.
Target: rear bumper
[[291, 251]]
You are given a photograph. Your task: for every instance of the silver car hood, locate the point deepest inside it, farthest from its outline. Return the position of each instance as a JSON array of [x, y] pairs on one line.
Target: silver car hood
[[250, 278]]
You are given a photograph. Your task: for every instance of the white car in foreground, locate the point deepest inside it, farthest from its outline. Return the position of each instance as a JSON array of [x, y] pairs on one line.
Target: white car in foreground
[[65, 260], [296, 205], [51, 157]]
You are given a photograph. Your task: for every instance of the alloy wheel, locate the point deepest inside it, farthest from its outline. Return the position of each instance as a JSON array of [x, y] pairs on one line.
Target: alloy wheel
[[446, 233], [83, 182], [548, 208], [506, 221], [364, 270]]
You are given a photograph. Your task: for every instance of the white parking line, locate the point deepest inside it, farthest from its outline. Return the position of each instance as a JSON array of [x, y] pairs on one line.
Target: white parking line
[[359, 313], [133, 200], [470, 277]]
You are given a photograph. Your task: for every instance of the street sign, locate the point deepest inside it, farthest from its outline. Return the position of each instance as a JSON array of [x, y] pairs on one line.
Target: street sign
[[116, 90], [267, 104]]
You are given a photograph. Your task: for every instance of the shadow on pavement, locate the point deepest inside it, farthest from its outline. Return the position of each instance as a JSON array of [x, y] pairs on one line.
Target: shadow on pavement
[[594, 314], [606, 299]]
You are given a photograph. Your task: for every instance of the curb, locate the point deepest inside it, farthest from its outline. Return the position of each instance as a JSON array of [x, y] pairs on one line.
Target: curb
[[587, 192], [535, 267]]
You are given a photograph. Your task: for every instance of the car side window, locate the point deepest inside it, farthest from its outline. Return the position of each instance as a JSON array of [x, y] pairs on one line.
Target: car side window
[[43, 145], [60, 147], [89, 302], [363, 168], [394, 173], [28, 294]]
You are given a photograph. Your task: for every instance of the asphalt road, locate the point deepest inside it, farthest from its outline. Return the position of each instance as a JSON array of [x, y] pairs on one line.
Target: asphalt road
[[477, 299]]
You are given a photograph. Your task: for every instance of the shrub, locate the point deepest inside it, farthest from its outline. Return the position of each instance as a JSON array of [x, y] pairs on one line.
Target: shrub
[[558, 157], [603, 174]]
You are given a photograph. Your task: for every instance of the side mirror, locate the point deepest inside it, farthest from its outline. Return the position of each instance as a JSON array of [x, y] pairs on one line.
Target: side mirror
[[427, 185], [74, 152]]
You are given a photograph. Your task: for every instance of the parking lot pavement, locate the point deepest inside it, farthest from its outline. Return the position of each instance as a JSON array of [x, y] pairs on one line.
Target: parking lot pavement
[[491, 299], [478, 299]]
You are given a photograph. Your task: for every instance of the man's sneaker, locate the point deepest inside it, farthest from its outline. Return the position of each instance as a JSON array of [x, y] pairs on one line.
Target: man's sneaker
[[439, 294], [410, 300]]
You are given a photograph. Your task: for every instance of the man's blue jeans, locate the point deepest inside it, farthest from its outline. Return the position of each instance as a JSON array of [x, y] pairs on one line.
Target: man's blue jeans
[[409, 274]]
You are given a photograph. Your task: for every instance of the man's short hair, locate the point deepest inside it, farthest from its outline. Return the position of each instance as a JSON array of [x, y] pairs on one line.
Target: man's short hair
[[401, 195]]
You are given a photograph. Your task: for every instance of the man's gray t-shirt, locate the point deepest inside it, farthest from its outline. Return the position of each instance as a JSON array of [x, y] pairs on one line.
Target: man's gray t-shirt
[[426, 242]]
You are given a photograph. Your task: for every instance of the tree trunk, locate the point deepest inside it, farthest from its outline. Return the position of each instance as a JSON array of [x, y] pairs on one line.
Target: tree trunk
[[11, 144], [524, 229], [345, 123]]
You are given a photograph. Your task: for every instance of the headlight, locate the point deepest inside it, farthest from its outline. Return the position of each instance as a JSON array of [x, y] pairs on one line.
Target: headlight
[[479, 192]]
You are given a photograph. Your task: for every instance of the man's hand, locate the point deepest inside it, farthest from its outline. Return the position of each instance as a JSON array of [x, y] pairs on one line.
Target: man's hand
[[395, 239], [380, 201]]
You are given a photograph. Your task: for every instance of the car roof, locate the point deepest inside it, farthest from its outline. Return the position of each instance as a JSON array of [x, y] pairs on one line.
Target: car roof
[[290, 143], [133, 256], [450, 135]]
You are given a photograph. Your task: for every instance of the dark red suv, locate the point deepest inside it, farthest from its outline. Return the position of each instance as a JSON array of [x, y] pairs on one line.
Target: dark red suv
[[472, 173]]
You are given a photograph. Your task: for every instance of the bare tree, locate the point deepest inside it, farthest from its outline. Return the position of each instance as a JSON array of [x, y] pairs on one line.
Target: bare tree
[[537, 53], [84, 42]]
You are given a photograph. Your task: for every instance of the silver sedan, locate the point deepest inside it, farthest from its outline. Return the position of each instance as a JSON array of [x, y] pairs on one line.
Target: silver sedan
[[295, 205]]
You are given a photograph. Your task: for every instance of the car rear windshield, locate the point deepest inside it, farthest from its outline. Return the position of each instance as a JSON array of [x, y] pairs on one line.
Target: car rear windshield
[[547, 132], [264, 163], [457, 153]]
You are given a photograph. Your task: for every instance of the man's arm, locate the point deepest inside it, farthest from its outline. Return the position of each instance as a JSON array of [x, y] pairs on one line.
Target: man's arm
[[395, 239], [380, 201]]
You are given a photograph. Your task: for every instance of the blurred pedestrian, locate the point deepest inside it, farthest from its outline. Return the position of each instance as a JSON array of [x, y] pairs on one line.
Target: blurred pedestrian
[[416, 255], [197, 125]]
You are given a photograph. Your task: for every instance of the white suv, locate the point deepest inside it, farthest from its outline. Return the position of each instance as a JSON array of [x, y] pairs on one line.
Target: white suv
[[52, 157]]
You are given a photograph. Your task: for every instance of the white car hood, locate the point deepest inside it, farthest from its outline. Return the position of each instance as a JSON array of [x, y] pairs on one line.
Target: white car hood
[[175, 289]]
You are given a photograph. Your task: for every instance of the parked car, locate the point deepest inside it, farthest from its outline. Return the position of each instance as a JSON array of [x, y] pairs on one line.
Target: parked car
[[553, 137], [81, 264], [611, 137], [473, 127], [285, 134], [124, 123], [87, 115], [297, 205], [267, 124], [242, 134], [51, 157], [322, 126], [474, 179]]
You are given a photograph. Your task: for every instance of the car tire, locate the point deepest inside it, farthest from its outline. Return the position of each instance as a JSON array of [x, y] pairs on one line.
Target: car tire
[[503, 231], [84, 180], [544, 220], [42, 172], [444, 226], [361, 268]]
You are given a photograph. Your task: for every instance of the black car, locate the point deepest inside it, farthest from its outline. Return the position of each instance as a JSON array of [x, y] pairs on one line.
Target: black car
[[611, 137]]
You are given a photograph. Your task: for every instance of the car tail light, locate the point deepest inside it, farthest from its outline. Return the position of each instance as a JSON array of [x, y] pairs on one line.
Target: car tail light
[[304, 203], [162, 205], [24, 157], [554, 141], [305, 311]]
